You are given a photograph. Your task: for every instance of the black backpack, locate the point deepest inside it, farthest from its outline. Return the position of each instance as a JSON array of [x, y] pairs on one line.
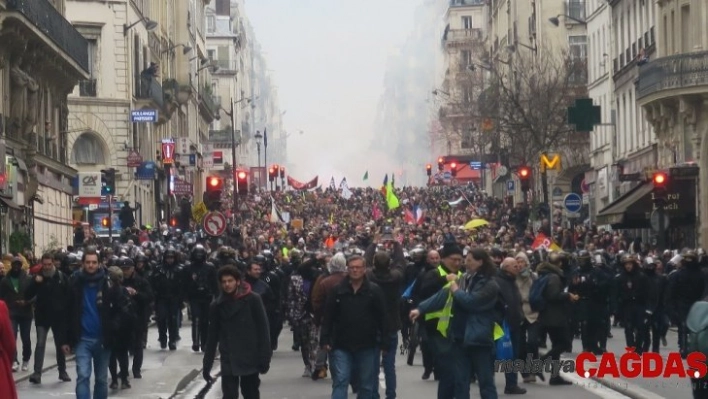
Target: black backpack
[[697, 324]]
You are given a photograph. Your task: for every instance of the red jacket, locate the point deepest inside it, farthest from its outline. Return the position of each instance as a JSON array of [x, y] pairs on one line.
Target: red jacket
[[7, 354]]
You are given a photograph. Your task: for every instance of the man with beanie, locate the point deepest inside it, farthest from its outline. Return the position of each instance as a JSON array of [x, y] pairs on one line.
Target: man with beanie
[[391, 280], [337, 268], [12, 291], [432, 282], [90, 325], [50, 291]]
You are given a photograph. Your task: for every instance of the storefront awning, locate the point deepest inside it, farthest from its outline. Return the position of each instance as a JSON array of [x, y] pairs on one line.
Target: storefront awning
[[616, 213], [10, 203]]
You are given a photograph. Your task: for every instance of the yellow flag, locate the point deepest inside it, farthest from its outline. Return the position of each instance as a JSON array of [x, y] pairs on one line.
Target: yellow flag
[[498, 332], [391, 199]]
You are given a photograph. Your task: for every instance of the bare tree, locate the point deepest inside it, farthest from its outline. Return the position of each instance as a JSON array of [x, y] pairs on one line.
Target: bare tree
[[527, 99]]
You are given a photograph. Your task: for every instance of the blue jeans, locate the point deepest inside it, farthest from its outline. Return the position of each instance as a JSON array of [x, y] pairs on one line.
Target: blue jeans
[[389, 366], [90, 352], [342, 362]]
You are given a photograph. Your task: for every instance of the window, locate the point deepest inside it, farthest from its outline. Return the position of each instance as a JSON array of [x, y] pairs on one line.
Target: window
[[211, 54], [576, 9], [87, 88], [578, 57], [88, 150], [465, 58], [578, 47], [211, 24], [466, 22]]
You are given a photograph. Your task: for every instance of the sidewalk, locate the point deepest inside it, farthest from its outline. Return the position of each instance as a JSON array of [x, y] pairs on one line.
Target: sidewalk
[[642, 388]]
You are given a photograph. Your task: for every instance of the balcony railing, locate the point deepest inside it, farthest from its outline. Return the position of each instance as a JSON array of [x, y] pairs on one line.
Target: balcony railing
[[467, 2], [87, 88], [454, 35], [211, 104], [50, 21], [673, 72], [150, 89], [227, 65]]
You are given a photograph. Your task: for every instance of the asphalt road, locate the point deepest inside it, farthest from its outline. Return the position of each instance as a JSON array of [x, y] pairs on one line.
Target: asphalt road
[[166, 373], [284, 381]]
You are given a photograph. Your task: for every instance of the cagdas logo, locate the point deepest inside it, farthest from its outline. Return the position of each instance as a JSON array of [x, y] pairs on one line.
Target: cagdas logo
[[646, 365]]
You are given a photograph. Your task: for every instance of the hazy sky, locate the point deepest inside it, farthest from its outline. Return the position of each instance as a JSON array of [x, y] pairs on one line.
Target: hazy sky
[[328, 58]]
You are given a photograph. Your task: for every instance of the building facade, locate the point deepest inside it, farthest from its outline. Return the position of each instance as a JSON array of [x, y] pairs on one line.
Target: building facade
[[672, 91], [601, 90], [42, 58], [145, 58]]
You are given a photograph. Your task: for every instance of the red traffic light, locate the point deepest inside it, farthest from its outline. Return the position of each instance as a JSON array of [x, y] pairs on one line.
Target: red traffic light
[[173, 222], [659, 178], [441, 160], [524, 172], [453, 165], [214, 181], [428, 166], [241, 175]]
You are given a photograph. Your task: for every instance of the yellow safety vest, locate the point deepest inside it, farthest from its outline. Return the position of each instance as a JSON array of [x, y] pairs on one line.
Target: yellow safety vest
[[443, 315]]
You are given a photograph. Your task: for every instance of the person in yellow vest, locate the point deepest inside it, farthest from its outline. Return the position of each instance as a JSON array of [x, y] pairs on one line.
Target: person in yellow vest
[[430, 283], [468, 312]]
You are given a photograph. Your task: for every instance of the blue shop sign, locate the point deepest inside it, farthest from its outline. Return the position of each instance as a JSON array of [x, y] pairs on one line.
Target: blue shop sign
[[143, 115]]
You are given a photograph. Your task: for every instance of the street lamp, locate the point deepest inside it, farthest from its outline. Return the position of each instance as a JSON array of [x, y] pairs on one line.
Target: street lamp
[[150, 25], [556, 20], [232, 114], [185, 48], [258, 138]]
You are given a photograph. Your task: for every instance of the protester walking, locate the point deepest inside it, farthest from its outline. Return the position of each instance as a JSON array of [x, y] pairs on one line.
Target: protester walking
[[7, 354]]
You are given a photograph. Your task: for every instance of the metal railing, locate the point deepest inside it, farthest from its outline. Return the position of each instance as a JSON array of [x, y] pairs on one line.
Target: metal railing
[[226, 65], [50, 21], [210, 102], [150, 89], [467, 2], [463, 34], [673, 72]]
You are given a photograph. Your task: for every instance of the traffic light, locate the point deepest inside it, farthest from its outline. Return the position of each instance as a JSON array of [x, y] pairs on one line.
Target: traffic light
[[106, 222], [108, 181], [242, 183], [282, 172], [659, 180], [272, 173], [429, 170], [453, 169], [214, 188], [173, 222], [524, 173], [441, 164]]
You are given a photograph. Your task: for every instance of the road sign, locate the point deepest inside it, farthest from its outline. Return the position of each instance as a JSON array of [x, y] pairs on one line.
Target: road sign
[[447, 175], [654, 220], [573, 203], [214, 224], [475, 165], [550, 162], [584, 187], [199, 211], [243, 207], [90, 184], [134, 159], [510, 186]]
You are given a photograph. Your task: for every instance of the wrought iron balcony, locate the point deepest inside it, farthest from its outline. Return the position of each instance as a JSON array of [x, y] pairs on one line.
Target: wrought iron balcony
[[150, 89], [50, 22], [463, 35], [226, 65], [210, 104], [674, 72]]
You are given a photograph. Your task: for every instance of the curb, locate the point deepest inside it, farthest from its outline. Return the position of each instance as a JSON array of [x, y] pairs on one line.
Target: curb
[[69, 358], [630, 390]]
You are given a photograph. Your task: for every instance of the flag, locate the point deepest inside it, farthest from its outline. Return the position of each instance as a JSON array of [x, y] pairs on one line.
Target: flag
[[346, 193], [331, 184], [408, 216], [391, 199], [343, 184], [366, 176], [275, 215], [542, 241], [376, 212], [265, 137], [419, 214], [393, 179], [456, 202], [384, 186]]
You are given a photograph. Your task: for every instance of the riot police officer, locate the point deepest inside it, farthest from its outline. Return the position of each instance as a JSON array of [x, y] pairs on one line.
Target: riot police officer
[[633, 289], [201, 287], [167, 281]]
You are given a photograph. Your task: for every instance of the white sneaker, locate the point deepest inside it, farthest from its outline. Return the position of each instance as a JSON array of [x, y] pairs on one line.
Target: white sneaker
[[15, 366], [25, 366], [307, 373]]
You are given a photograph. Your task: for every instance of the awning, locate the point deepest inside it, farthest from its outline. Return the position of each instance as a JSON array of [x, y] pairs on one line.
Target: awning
[[465, 173], [619, 210], [10, 203]]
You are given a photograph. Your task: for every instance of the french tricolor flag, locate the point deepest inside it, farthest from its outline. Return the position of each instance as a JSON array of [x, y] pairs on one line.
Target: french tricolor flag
[[419, 214]]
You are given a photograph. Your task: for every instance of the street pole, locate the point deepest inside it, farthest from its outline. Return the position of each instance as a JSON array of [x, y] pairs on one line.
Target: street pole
[[110, 219], [234, 205], [260, 175], [265, 156]]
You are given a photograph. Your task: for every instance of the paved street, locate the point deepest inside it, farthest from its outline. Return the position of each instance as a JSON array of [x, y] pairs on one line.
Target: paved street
[[283, 381], [166, 372]]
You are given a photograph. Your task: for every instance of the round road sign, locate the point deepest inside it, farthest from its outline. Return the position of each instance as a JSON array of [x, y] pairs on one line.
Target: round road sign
[[584, 186], [214, 224], [573, 203]]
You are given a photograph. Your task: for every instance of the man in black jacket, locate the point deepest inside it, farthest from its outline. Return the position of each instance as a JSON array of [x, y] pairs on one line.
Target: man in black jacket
[[239, 326], [50, 291], [390, 278], [94, 312], [513, 316], [140, 294], [354, 321]]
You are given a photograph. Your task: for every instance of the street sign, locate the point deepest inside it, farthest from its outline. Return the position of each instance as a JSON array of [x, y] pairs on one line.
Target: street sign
[[573, 203], [168, 152], [510, 186], [214, 224], [475, 165], [143, 115], [243, 207], [654, 220], [134, 159], [90, 184], [584, 187], [199, 211], [447, 175], [550, 162]]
